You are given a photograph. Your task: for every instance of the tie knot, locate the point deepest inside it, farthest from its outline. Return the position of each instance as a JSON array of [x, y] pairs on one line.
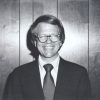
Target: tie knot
[[48, 67]]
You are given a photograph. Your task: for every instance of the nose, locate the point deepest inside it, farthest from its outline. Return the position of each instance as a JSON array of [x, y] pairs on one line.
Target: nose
[[48, 40]]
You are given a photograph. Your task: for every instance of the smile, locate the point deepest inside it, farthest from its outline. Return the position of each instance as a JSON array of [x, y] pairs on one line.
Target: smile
[[49, 47]]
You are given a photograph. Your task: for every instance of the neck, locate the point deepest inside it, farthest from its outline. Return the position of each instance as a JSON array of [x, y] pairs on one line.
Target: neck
[[49, 59]]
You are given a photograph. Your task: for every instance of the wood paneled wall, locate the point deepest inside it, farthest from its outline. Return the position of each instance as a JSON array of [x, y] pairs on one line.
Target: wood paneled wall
[[81, 20]]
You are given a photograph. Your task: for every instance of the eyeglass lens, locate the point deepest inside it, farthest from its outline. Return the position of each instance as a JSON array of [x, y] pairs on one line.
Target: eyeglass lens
[[53, 38]]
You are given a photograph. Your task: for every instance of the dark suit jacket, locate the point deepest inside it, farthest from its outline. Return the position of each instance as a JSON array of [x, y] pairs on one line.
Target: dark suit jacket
[[24, 83]]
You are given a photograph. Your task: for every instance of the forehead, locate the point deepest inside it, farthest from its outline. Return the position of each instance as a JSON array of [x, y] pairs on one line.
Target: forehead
[[47, 28]]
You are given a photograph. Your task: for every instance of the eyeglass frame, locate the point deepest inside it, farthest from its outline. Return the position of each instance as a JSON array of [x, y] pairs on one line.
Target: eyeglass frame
[[38, 37]]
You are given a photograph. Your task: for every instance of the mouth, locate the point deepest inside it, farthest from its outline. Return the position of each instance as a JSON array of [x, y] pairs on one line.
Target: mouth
[[48, 47]]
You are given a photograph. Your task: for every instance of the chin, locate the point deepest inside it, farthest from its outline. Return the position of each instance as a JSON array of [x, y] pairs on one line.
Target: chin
[[49, 55]]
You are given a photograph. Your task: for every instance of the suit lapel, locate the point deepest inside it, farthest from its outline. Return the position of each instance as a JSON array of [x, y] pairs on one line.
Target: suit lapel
[[37, 74], [60, 72], [60, 85], [33, 83], [38, 80]]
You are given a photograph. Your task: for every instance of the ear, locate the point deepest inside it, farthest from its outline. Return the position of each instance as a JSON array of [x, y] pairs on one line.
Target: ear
[[35, 43], [61, 43]]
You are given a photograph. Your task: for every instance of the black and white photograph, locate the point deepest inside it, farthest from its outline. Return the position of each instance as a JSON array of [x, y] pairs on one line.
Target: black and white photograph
[[49, 49]]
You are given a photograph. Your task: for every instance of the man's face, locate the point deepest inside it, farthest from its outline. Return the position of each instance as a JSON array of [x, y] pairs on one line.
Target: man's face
[[50, 47]]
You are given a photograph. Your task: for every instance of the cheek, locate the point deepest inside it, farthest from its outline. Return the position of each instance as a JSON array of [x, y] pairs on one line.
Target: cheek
[[59, 44], [41, 47], [38, 45]]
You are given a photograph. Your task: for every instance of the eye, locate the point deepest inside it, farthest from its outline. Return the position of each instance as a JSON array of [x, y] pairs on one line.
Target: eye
[[42, 38]]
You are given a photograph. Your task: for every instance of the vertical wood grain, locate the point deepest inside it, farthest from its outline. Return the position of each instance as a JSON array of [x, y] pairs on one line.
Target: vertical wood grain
[[94, 47], [26, 17], [9, 39], [74, 14], [44, 7]]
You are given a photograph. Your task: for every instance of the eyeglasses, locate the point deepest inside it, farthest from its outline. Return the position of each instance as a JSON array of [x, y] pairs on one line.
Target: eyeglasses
[[53, 38]]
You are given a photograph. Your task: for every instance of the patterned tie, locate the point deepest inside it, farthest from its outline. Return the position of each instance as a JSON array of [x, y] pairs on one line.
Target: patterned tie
[[48, 86]]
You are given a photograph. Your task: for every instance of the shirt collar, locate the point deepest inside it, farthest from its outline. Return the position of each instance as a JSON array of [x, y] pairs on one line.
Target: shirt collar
[[55, 63]]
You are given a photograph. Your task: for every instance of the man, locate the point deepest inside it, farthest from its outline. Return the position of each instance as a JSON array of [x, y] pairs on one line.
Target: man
[[49, 77]]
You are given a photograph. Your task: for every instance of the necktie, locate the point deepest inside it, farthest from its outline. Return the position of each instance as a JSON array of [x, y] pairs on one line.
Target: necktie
[[48, 85]]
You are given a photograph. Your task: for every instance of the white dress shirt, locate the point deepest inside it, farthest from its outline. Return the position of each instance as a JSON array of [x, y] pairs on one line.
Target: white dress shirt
[[54, 71]]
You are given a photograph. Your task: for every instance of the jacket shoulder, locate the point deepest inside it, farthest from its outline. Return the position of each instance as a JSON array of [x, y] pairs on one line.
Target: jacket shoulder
[[72, 66], [24, 69]]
